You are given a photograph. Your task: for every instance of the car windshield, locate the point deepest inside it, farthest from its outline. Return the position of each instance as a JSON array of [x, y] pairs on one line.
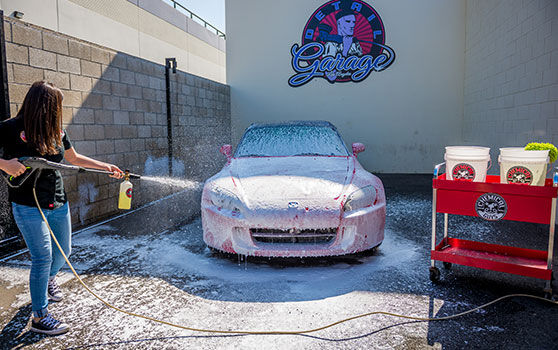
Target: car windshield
[[291, 140]]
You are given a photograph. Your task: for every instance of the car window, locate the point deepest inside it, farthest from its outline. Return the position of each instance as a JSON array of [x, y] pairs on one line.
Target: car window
[[291, 140]]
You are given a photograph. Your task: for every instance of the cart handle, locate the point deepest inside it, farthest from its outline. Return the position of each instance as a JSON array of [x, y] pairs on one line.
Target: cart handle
[[555, 178], [439, 166]]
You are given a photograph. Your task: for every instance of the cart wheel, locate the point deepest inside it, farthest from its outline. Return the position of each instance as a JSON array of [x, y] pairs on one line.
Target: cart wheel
[[447, 265], [434, 274]]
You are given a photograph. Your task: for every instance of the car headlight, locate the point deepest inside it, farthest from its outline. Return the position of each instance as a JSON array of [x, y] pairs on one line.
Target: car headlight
[[361, 198], [225, 199]]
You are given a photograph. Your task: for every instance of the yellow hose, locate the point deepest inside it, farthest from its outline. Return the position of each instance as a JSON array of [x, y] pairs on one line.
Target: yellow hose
[[272, 331]]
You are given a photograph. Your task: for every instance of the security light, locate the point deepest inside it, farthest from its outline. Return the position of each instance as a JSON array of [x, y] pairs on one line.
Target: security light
[[18, 15]]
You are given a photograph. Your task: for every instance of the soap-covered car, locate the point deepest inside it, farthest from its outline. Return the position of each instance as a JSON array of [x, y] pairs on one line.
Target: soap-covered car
[[293, 189]]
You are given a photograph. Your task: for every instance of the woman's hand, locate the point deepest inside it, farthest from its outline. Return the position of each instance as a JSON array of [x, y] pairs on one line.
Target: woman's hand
[[116, 172], [13, 167]]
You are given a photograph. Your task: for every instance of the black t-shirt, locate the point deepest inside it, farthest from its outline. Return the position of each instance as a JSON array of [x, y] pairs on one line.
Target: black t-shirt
[[50, 186]]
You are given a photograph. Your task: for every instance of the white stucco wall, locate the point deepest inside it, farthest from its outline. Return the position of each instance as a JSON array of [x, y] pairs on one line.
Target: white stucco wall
[[150, 29], [404, 115]]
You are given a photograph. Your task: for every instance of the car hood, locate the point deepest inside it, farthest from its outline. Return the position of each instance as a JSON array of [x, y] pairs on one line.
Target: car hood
[[306, 179]]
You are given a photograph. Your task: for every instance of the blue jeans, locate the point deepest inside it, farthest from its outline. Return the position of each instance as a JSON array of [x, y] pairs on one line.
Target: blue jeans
[[46, 259]]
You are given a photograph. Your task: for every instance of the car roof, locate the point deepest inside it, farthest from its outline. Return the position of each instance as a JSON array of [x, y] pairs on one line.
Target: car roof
[[293, 123]]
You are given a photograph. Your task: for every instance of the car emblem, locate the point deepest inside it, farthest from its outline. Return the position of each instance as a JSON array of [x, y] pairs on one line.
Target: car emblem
[[293, 205]]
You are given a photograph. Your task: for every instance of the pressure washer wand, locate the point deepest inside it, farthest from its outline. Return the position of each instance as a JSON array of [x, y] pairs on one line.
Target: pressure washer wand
[[34, 163]]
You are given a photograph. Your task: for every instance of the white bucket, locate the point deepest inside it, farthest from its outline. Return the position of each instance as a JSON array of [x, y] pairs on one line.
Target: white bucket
[[467, 163], [523, 167]]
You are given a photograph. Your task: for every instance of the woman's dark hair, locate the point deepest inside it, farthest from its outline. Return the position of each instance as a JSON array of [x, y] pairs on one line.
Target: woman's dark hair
[[42, 117]]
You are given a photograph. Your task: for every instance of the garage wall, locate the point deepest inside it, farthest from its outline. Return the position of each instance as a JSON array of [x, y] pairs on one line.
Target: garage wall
[[404, 115], [511, 75], [149, 29]]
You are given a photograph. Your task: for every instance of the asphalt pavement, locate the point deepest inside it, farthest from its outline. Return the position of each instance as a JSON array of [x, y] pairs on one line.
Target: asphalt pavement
[[154, 262]]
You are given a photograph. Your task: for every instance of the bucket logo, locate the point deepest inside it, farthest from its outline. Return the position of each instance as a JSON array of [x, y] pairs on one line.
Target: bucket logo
[[491, 207], [343, 41], [463, 171], [129, 193], [519, 175]]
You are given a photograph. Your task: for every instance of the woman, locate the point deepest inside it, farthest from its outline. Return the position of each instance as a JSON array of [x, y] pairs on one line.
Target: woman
[[37, 131]]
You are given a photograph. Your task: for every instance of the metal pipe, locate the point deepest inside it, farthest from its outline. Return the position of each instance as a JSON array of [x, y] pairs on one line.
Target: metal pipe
[[445, 225], [4, 95], [169, 62]]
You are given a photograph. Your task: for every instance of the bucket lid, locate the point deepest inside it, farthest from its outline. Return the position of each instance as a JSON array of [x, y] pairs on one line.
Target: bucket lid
[[467, 151], [520, 152]]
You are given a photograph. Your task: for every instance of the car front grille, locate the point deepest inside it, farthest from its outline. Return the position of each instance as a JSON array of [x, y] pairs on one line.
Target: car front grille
[[294, 236]]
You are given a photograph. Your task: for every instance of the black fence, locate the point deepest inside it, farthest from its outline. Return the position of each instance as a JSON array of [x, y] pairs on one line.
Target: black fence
[[193, 16], [10, 238]]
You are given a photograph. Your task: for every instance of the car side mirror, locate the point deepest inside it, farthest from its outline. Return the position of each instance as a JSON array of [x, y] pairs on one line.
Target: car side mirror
[[357, 148], [226, 150]]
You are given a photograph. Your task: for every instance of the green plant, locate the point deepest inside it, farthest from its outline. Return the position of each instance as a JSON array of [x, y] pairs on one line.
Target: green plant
[[540, 146]]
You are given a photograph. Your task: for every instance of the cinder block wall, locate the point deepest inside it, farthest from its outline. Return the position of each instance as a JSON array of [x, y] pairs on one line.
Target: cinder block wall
[[511, 73], [115, 111]]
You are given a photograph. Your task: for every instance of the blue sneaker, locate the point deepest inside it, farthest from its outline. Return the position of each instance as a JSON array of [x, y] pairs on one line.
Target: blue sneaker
[[49, 325]]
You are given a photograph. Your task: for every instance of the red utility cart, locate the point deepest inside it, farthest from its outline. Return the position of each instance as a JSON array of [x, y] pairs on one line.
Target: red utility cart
[[493, 201]]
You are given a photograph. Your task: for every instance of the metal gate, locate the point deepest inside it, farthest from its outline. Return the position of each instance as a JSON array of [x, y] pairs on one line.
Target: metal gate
[[10, 238]]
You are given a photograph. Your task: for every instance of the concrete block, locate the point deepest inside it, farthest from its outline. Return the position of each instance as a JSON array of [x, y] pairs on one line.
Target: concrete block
[[150, 118], [119, 89], [111, 102], [100, 55], [101, 86], [94, 132], [72, 98], [61, 80], [10, 72], [68, 64], [103, 116], [110, 73], [133, 63], [144, 131], [42, 59], [118, 60], [26, 35], [75, 132], [17, 53], [137, 144], [67, 114], [87, 148], [121, 117], [134, 91], [26, 74], [127, 77], [93, 100], [129, 131], [148, 93], [104, 146], [122, 146], [127, 104], [80, 50], [55, 43], [84, 116], [158, 131], [113, 131], [136, 118], [142, 80], [7, 31], [91, 69], [80, 83]]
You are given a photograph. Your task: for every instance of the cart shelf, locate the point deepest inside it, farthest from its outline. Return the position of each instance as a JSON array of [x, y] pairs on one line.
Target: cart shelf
[[520, 261], [493, 201]]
